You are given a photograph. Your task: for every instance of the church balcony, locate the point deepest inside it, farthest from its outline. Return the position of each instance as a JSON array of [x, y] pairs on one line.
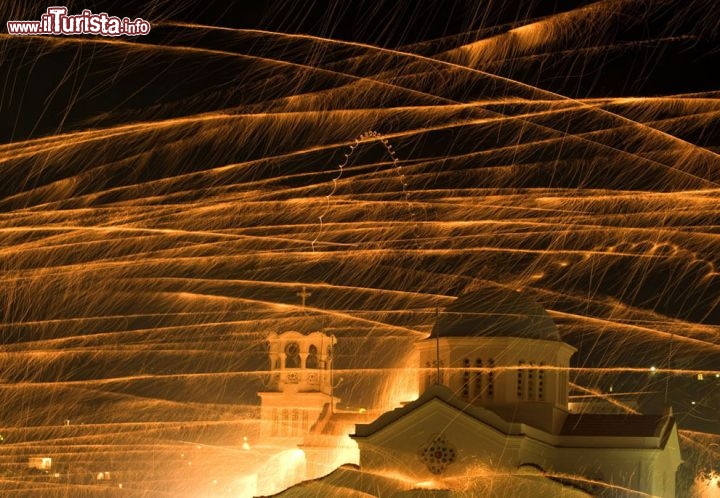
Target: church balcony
[[309, 378], [313, 378]]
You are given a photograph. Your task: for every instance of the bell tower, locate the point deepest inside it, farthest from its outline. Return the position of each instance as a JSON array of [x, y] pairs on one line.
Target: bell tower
[[299, 382]]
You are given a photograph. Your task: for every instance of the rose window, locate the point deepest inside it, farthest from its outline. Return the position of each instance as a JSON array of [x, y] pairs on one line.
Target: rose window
[[437, 454]]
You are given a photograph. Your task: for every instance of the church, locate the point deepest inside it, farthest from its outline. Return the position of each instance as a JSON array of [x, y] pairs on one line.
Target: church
[[492, 419]]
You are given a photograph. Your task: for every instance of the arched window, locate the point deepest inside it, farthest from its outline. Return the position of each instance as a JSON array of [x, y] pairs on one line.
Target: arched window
[[312, 358], [491, 379], [466, 379], [478, 378], [292, 355]]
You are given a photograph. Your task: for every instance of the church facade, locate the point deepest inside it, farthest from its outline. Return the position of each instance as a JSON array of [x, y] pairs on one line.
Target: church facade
[[492, 419]]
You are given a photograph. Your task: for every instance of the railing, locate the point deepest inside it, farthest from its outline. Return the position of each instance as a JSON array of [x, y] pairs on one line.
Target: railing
[[296, 377]]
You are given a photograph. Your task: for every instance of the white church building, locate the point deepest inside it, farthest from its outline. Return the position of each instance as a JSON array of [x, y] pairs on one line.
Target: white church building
[[492, 418]]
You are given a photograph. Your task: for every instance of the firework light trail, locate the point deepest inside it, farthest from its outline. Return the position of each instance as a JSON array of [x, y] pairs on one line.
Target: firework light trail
[[151, 237]]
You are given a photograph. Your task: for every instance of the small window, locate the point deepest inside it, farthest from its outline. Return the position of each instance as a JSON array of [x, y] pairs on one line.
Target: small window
[[520, 383], [466, 379], [531, 382], [275, 422], [284, 423], [478, 378], [295, 425]]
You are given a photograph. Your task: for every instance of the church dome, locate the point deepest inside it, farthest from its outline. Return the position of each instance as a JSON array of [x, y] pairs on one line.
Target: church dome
[[494, 311]]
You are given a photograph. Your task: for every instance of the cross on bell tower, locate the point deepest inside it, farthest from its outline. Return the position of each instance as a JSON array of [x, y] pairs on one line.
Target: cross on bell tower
[[303, 295]]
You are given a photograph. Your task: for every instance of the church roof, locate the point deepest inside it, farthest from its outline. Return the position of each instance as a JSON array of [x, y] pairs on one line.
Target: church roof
[[655, 429], [444, 395], [494, 311], [615, 425], [353, 481], [339, 422]]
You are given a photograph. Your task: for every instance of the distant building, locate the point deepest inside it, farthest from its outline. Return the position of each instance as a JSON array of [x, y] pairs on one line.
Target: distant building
[[39, 463], [492, 420]]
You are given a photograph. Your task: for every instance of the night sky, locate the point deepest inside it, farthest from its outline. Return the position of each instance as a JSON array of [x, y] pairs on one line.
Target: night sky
[[634, 49]]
